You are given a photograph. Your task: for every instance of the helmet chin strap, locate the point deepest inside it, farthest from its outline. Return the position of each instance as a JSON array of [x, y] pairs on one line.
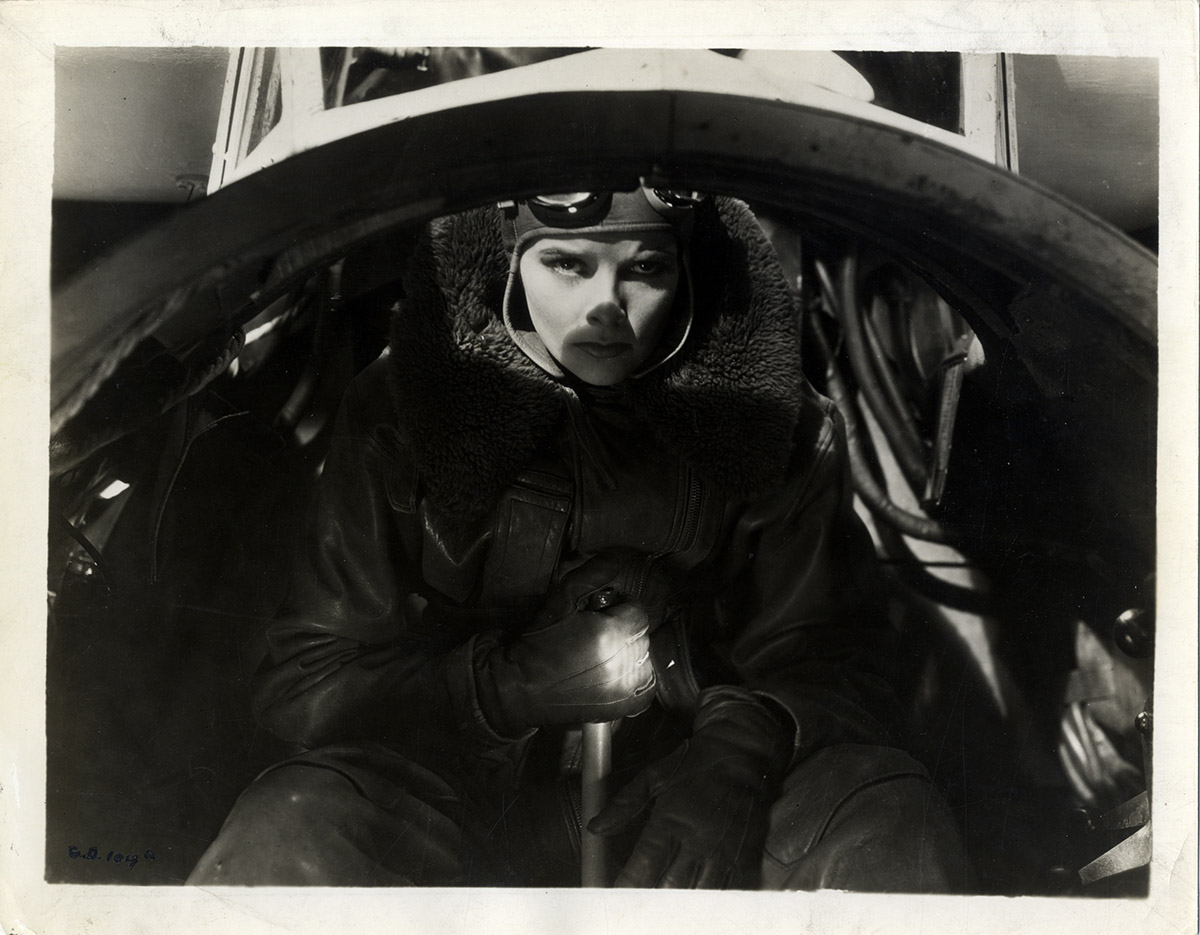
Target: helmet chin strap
[[679, 328]]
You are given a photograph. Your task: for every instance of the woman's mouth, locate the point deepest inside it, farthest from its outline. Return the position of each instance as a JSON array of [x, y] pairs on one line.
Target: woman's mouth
[[602, 350]]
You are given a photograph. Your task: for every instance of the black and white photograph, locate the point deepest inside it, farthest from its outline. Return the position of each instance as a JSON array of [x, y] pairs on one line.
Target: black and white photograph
[[486, 481]]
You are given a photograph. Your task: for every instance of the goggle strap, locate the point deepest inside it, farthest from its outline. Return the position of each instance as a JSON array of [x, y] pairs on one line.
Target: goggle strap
[[629, 227]]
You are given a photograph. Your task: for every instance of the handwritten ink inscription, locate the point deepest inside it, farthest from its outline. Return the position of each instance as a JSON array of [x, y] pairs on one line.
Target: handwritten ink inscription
[[112, 857]]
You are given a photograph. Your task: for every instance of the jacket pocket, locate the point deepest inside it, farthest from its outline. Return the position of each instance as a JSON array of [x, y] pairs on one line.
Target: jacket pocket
[[531, 520]]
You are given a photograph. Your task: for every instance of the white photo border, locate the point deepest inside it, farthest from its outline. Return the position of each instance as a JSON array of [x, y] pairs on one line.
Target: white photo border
[[29, 33]]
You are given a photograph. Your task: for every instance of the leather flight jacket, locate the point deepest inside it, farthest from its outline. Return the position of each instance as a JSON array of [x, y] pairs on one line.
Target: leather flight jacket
[[392, 598]]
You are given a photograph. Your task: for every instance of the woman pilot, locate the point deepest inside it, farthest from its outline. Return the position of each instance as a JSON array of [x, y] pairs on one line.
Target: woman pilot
[[587, 394]]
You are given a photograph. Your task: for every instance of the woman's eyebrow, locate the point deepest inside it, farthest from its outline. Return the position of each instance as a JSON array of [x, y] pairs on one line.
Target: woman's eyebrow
[[651, 253]]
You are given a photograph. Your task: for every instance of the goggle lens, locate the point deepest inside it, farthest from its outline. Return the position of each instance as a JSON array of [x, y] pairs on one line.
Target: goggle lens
[[677, 198], [570, 202]]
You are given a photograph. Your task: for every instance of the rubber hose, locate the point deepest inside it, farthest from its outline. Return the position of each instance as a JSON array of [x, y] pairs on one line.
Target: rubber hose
[[877, 501], [947, 593], [907, 449]]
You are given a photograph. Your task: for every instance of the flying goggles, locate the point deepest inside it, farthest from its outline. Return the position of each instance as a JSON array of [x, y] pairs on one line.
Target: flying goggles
[[581, 209], [644, 208]]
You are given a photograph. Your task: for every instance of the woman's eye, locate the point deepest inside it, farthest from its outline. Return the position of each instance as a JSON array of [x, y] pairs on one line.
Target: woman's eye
[[652, 267], [563, 264]]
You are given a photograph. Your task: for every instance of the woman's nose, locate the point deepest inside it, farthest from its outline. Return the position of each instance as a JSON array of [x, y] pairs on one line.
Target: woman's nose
[[606, 305]]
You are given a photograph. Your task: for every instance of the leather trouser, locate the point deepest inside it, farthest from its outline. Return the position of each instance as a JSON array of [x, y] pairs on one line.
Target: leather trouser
[[852, 816]]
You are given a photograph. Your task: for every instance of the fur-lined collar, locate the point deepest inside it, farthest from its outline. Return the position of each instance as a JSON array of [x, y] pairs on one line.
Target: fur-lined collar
[[473, 408]]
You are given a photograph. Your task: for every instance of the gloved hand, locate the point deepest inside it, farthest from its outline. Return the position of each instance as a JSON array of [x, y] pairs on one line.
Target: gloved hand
[[711, 799], [579, 662]]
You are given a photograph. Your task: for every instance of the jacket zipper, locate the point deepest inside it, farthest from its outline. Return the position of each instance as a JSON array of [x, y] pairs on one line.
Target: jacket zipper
[[687, 533], [691, 519]]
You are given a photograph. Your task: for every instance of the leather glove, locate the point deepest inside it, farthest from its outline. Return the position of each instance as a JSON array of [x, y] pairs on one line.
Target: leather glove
[[579, 662], [711, 798]]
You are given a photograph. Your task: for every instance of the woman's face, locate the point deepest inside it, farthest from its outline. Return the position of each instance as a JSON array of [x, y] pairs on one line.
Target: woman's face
[[600, 302]]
